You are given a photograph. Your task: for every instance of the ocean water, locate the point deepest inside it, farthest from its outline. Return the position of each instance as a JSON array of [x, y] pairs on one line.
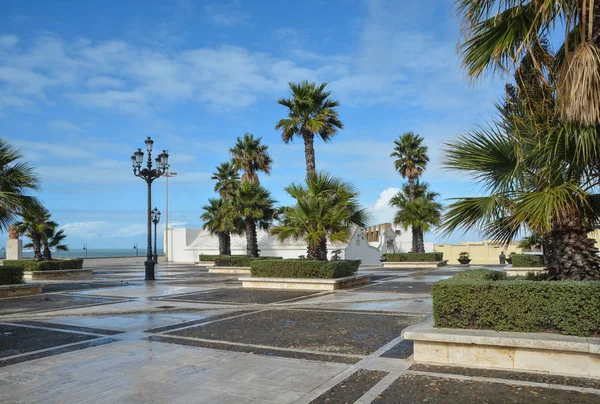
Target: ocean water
[[94, 253]]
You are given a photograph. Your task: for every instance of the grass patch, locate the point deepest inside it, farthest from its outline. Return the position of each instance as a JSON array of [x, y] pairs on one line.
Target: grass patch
[[414, 257], [304, 269], [484, 299], [212, 257], [54, 265], [11, 275]]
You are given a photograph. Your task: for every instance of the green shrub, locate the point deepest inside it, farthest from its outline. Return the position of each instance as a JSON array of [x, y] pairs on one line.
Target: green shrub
[[303, 269], [470, 301], [527, 260], [482, 274], [10, 275], [240, 261], [414, 257], [212, 257], [54, 265]]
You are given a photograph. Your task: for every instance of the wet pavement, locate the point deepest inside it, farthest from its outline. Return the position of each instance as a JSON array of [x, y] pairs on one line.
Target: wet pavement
[[198, 337]]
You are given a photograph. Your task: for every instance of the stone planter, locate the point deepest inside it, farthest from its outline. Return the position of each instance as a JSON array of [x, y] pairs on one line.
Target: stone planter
[[205, 263], [522, 271], [305, 283], [414, 265], [229, 270], [519, 351], [19, 290], [34, 275]]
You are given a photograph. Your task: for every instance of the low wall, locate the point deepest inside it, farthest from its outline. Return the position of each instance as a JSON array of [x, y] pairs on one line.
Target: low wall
[[479, 254]]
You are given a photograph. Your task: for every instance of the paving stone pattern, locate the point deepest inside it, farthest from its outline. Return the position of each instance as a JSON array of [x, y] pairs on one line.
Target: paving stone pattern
[[352, 388], [49, 302], [412, 389], [257, 296], [349, 333], [16, 340]]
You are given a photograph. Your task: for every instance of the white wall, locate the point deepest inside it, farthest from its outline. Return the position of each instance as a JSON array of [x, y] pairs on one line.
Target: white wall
[[186, 244]]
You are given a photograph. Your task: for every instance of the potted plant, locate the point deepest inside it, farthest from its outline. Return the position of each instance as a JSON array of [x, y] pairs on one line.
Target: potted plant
[[464, 258]]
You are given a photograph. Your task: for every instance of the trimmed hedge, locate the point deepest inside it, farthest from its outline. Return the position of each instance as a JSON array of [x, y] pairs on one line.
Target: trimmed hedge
[[10, 275], [477, 301], [414, 257], [527, 260], [54, 265], [303, 269], [240, 261], [212, 257]]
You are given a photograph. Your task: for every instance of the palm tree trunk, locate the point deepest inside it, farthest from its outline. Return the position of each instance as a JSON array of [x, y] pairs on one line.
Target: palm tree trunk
[[222, 243], [411, 187], [47, 254], [420, 241], [312, 252], [322, 250], [415, 239], [36, 241], [251, 239], [571, 254], [309, 153], [228, 243]]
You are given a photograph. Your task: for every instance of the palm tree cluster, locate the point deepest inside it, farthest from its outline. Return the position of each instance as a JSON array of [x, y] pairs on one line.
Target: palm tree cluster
[[243, 204], [24, 214], [539, 166], [417, 208]]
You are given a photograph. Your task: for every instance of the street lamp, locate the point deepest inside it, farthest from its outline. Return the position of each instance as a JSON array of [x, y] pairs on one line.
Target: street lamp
[[155, 220], [149, 174], [167, 175], [85, 249], [136, 248]]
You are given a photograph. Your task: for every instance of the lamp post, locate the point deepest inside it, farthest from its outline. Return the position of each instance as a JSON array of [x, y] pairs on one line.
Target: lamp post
[[167, 175], [85, 249], [136, 248], [149, 174], [155, 220]]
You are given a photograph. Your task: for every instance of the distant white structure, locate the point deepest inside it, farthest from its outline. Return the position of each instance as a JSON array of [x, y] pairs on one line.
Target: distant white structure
[[186, 244]]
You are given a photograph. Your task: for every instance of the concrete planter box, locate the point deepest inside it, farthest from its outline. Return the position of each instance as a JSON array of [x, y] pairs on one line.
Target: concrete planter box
[[229, 270], [305, 283], [33, 275], [205, 263], [538, 352], [522, 271], [411, 265], [19, 290]]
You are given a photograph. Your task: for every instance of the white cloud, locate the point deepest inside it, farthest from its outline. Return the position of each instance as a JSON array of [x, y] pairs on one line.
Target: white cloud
[[226, 15], [63, 126], [103, 229], [381, 211]]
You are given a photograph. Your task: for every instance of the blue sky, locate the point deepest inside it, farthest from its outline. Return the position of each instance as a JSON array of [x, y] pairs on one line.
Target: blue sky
[[83, 83]]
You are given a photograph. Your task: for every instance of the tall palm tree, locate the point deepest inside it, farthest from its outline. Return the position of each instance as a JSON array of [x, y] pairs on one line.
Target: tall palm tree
[[250, 156], [52, 240], [499, 34], [411, 158], [418, 211], [311, 112], [216, 222], [326, 208], [17, 178], [35, 225], [227, 180], [253, 204]]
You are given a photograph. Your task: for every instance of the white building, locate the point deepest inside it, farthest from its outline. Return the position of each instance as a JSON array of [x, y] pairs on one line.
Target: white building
[[185, 245]]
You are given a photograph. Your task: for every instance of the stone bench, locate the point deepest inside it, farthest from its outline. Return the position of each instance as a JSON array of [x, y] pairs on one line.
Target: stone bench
[[24, 289]]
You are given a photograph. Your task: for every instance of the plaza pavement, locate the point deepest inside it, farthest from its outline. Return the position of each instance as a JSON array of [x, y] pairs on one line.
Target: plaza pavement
[[191, 337]]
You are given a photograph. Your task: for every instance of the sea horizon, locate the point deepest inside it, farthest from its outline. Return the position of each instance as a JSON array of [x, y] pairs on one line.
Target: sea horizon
[[94, 253]]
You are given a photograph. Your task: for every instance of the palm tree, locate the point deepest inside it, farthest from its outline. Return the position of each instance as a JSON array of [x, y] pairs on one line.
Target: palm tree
[[310, 112], [498, 35], [531, 242], [249, 156], [227, 180], [35, 225], [16, 179], [418, 211], [411, 158], [52, 240], [326, 208], [215, 221], [253, 204]]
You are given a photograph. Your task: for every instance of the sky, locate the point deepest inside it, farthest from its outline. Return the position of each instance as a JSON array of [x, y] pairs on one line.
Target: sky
[[83, 83]]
